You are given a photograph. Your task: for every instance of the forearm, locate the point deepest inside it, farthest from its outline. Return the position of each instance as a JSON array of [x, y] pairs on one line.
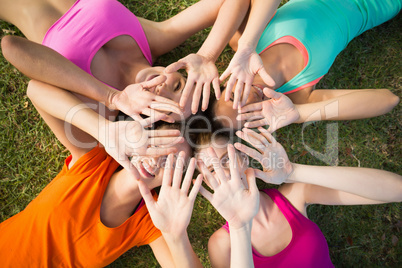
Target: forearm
[[261, 12], [370, 183], [44, 64], [356, 104], [65, 106], [240, 243], [230, 16], [181, 250]]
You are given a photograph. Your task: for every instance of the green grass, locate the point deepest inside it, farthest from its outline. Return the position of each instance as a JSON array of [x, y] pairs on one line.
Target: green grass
[[363, 236]]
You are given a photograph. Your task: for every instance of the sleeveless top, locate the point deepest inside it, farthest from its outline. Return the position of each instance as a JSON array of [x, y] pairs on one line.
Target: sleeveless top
[[308, 246], [323, 28], [90, 24]]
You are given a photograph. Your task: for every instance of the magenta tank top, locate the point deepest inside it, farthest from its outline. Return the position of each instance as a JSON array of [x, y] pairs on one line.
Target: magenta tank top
[[90, 24], [308, 247]]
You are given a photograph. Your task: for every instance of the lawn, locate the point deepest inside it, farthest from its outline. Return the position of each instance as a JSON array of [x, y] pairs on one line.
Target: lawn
[[363, 236]]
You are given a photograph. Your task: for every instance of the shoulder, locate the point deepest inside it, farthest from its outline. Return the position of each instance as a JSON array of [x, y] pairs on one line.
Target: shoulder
[[295, 194], [219, 248]]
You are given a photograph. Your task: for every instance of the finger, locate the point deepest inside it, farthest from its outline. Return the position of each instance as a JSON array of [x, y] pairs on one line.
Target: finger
[[254, 124], [217, 165], [205, 193], [196, 98], [268, 136], [136, 117], [205, 96], [229, 88], [250, 116], [266, 78], [261, 175], [154, 82], [145, 122], [188, 88], [246, 93], [160, 141], [249, 137], [164, 133], [189, 176], [252, 186], [210, 180], [249, 151], [178, 171], [175, 66], [272, 94], [155, 114], [196, 188], [225, 75], [237, 94], [158, 151], [233, 163], [165, 107], [168, 173], [217, 89], [254, 135], [251, 107], [165, 100], [146, 195]]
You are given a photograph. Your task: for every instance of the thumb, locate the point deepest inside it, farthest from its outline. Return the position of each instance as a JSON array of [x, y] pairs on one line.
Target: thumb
[[252, 186], [272, 94], [127, 165], [261, 175], [174, 67], [266, 77], [146, 194], [154, 82]]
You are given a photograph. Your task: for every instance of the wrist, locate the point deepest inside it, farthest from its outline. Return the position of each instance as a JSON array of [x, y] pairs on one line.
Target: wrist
[[175, 236], [111, 98], [292, 177], [251, 46], [208, 56], [238, 227]]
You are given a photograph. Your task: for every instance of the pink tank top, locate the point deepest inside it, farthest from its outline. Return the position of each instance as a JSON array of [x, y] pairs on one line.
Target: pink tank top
[[308, 247], [90, 24]]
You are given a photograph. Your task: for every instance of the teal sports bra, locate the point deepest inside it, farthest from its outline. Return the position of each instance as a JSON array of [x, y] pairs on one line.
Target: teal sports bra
[[324, 27]]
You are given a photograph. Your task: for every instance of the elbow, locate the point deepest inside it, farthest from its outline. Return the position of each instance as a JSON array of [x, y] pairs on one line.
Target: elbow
[[7, 44], [390, 102], [32, 90]]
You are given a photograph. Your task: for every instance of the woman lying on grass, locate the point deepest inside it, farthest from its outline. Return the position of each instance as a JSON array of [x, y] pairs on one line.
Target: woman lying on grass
[[280, 234], [297, 47], [108, 41], [91, 212]]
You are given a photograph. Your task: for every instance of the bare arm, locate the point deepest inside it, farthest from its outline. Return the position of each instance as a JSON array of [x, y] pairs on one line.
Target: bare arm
[[133, 139], [246, 63], [172, 211], [201, 66], [44, 64], [237, 204], [344, 104], [279, 111], [347, 185]]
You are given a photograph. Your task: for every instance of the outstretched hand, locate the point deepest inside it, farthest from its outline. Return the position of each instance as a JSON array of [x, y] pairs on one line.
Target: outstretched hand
[[201, 73], [277, 112], [245, 64], [171, 213], [125, 139], [136, 99], [269, 153], [232, 198]]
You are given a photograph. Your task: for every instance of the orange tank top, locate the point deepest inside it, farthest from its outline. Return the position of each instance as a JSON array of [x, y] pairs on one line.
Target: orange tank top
[[61, 227]]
